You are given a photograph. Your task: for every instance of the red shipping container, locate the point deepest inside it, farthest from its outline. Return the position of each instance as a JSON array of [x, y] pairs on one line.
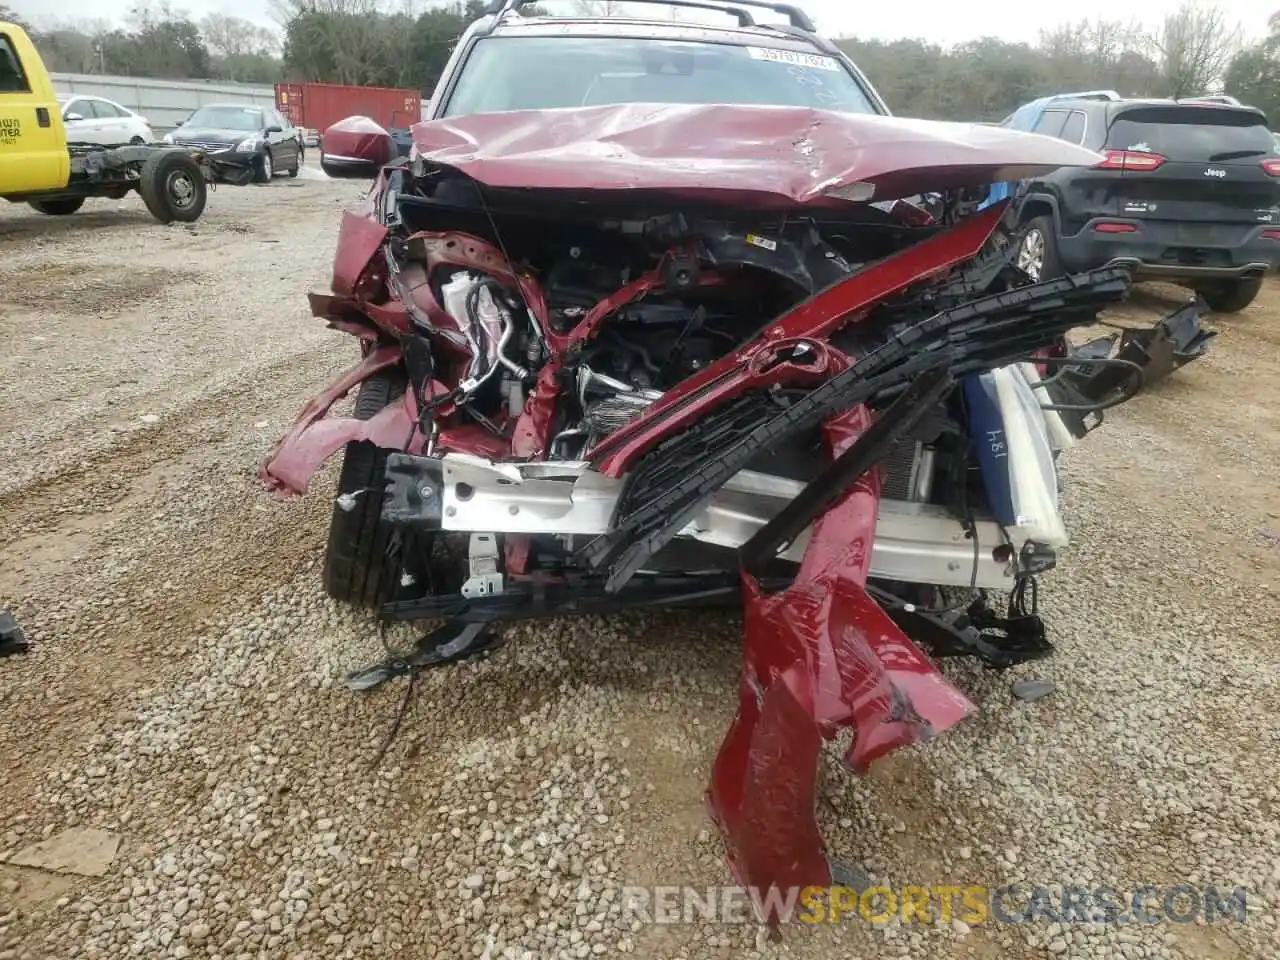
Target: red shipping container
[[318, 106]]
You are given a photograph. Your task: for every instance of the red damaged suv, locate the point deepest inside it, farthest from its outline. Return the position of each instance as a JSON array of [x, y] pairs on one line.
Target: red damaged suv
[[661, 313]]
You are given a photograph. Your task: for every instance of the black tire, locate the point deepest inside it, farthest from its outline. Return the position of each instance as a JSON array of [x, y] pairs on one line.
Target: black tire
[[1230, 296], [58, 208], [263, 168], [297, 165], [172, 186], [357, 568], [1047, 231]]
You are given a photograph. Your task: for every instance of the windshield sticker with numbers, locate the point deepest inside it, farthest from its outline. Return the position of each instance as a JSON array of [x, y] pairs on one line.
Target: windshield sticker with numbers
[[790, 57]]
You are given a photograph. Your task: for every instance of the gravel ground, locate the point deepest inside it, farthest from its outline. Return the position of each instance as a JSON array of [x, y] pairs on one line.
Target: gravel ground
[[183, 697]]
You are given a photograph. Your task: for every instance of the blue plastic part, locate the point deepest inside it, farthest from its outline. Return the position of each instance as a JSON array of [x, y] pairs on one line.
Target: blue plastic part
[[990, 446]]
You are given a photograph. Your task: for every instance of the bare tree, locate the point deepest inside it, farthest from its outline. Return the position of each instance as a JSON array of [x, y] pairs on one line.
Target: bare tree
[[598, 8], [9, 15], [229, 36], [144, 14], [1099, 53], [1195, 44]]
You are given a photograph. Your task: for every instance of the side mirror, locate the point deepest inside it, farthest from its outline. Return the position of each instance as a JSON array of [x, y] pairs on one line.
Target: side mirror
[[275, 129], [178, 123], [72, 116]]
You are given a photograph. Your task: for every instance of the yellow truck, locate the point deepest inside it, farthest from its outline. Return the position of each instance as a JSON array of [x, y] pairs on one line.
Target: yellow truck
[[38, 165]]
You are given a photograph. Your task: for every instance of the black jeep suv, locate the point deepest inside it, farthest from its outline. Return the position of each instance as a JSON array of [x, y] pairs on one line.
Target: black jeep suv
[[1189, 192]]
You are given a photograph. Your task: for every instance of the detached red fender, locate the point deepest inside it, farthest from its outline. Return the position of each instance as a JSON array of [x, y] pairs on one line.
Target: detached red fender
[[313, 439], [819, 657]]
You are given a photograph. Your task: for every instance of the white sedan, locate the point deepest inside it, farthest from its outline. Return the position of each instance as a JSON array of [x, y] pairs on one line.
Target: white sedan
[[105, 122]]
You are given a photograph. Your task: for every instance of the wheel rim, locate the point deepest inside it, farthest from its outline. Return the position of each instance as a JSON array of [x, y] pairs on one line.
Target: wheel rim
[[181, 189], [266, 164], [1031, 254]]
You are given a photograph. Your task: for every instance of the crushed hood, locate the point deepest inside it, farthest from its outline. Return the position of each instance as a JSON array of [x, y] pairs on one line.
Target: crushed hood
[[786, 155]]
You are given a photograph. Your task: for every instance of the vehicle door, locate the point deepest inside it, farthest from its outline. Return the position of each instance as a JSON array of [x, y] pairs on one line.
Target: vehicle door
[[293, 137], [106, 126], [103, 122], [278, 136], [114, 122], [81, 121], [33, 146]]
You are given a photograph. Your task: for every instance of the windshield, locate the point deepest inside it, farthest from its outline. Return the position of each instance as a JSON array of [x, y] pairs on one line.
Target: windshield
[[227, 118], [545, 73]]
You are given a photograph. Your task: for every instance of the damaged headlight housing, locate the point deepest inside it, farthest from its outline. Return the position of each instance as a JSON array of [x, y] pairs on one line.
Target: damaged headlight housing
[[249, 145]]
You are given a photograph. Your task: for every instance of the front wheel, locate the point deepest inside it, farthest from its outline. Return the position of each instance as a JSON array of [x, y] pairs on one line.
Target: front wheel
[[172, 186], [1230, 296], [358, 567], [58, 208], [1037, 255], [263, 170]]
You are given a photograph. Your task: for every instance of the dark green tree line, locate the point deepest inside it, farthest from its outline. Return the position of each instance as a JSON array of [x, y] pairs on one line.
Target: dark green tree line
[[1254, 74]]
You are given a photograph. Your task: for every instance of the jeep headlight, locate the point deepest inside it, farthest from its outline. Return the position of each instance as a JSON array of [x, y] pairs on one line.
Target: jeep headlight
[[249, 145]]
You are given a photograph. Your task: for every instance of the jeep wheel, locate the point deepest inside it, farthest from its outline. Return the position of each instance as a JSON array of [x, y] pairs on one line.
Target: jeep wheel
[[172, 186], [58, 208], [1037, 255], [1230, 296], [357, 566]]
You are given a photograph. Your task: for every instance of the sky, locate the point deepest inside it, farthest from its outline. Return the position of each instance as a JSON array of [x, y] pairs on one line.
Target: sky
[[939, 21]]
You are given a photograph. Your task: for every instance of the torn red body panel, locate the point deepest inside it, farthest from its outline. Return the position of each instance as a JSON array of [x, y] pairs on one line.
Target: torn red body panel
[[819, 657], [359, 242], [314, 437]]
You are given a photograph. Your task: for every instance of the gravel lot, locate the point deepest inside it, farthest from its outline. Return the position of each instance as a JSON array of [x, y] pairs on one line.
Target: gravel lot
[[183, 692]]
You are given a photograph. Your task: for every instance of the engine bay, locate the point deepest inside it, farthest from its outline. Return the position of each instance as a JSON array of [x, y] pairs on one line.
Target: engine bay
[[672, 294]]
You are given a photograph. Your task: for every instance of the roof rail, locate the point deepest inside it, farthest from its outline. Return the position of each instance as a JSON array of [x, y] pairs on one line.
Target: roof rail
[[1213, 98], [1089, 95], [744, 18], [798, 17], [822, 43]]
